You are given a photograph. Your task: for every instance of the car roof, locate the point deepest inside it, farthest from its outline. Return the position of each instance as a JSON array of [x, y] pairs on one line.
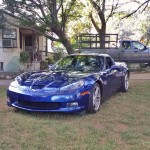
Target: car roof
[[128, 40], [91, 54]]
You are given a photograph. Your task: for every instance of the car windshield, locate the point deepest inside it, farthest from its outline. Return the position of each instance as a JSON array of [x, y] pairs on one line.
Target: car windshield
[[82, 63]]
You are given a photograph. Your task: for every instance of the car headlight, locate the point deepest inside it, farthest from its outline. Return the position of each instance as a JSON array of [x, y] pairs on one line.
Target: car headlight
[[14, 84], [72, 86]]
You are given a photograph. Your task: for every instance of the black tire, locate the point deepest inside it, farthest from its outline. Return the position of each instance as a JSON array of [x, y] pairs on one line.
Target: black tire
[[149, 63], [95, 99], [125, 83]]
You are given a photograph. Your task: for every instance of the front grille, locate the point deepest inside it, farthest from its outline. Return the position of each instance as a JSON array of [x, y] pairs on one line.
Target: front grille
[[39, 105]]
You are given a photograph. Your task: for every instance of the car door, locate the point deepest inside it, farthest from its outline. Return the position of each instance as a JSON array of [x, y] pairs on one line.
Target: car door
[[141, 53], [126, 52], [113, 77]]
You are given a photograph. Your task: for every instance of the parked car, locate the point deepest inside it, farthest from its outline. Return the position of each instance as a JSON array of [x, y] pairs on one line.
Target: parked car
[[129, 51], [75, 83]]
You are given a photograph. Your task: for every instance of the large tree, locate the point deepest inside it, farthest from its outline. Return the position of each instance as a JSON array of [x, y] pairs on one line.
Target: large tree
[[46, 16], [105, 10], [144, 25]]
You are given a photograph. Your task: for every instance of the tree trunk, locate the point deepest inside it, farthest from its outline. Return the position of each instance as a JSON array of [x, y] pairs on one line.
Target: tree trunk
[[67, 45], [101, 31], [63, 39], [102, 35]]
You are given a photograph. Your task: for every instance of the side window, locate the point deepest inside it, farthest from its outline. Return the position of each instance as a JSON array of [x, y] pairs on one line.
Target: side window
[[109, 62], [126, 45], [137, 45], [101, 62]]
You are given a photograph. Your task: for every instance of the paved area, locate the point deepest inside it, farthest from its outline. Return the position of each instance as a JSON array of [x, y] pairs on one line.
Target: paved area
[[133, 76], [5, 82]]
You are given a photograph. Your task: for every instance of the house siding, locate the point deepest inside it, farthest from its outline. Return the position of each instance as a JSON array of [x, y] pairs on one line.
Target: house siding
[[10, 56]]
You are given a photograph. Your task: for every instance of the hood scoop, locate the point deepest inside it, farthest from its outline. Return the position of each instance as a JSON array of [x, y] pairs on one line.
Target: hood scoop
[[37, 87]]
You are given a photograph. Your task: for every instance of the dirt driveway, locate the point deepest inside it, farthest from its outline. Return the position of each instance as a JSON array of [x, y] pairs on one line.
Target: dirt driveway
[[5, 82], [140, 76]]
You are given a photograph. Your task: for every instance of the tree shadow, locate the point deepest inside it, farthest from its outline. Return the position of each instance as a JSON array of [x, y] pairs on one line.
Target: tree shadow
[[51, 115]]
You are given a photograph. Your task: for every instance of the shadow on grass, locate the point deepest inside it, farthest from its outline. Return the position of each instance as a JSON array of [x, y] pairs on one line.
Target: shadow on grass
[[51, 115]]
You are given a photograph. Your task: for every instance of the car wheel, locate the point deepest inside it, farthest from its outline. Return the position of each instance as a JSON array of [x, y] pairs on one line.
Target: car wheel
[[125, 83], [95, 99], [149, 63]]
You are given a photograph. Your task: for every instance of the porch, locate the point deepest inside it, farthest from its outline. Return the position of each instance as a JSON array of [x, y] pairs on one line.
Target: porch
[[35, 44], [16, 38]]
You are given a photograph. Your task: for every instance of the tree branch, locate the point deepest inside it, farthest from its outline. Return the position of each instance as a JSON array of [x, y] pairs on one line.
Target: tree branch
[[103, 6], [99, 11], [96, 7], [66, 14], [112, 10], [130, 14], [61, 3], [94, 23], [41, 9], [30, 28]]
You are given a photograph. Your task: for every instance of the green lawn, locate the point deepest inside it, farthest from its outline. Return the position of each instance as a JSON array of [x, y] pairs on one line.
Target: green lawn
[[122, 123]]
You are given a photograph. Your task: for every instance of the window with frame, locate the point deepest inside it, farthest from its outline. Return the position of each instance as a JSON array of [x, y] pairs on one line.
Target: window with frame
[[138, 46], [126, 45], [9, 38], [9, 33], [109, 62]]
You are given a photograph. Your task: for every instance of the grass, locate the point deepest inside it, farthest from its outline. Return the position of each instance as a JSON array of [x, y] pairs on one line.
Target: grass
[[122, 123]]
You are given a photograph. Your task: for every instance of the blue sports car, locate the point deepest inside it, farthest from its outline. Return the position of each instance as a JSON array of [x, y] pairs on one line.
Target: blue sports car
[[76, 83]]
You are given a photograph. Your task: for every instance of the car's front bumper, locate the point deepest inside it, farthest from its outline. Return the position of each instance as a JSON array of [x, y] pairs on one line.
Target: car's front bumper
[[48, 103]]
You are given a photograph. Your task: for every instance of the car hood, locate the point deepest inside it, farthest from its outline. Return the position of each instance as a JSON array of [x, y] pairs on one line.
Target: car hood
[[52, 79]]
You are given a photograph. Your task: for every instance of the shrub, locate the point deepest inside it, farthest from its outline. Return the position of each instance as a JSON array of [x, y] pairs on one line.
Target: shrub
[[24, 57], [43, 65]]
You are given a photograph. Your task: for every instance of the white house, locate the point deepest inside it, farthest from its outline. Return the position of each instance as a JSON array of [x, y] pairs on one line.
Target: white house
[[15, 38]]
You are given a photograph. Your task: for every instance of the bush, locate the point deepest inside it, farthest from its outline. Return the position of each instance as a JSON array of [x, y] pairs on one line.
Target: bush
[[50, 60], [43, 65], [24, 57], [57, 56]]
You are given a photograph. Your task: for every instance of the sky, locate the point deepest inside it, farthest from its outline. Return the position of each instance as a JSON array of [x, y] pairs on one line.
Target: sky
[[0, 3]]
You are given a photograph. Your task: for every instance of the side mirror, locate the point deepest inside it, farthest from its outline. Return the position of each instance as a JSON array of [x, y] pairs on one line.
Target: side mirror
[[114, 67], [144, 48], [50, 67]]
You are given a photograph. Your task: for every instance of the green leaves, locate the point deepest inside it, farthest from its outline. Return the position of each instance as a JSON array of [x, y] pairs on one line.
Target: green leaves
[[24, 57]]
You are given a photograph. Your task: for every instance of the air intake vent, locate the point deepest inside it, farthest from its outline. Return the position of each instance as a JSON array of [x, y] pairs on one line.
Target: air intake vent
[[36, 87], [38, 105]]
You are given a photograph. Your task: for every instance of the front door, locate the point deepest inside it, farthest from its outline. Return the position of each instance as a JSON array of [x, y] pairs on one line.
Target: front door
[[29, 45], [113, 78], [126, 53]]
